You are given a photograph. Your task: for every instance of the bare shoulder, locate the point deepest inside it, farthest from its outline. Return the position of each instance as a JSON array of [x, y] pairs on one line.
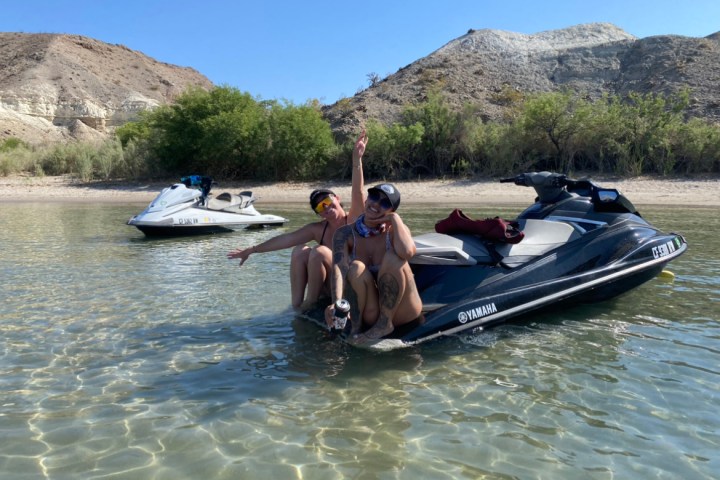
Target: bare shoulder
[[316, 228], [306, 233]]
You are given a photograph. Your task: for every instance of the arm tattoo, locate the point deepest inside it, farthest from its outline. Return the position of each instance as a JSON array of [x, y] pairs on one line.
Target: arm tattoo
[[341, 263], [340, 248]]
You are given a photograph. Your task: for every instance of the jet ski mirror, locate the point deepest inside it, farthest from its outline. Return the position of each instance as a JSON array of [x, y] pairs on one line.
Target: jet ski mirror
[[611, 200], [607, 195]]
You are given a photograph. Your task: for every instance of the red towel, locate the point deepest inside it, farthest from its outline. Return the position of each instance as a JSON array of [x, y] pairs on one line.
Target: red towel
[[493, 229]]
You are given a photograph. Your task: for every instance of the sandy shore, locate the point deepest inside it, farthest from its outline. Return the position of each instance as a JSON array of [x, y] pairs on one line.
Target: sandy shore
[[701, 192]]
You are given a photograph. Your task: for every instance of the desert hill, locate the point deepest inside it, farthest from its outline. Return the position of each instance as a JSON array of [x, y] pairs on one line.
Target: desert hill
[[55, 87], [482, 66]]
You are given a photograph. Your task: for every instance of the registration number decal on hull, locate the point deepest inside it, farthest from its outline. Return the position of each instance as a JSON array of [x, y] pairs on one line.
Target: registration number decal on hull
[[664, 250]]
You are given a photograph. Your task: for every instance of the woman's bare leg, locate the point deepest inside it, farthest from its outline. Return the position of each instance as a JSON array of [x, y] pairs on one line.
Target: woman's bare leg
[[399, 301], [318, 274], [363, 284], [298, 274]]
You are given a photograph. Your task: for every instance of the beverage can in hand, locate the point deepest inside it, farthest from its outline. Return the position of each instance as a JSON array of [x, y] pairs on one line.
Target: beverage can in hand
[[342, 308]]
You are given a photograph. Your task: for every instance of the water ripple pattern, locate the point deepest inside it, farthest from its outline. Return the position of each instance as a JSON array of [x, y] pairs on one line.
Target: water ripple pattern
[[123, 357]]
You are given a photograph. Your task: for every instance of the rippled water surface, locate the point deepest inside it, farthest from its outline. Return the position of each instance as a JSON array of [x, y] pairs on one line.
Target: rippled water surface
[[123, 357]]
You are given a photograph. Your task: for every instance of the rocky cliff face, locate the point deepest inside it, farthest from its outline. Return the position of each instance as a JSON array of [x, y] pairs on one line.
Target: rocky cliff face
[[58, 87], [482, 66]]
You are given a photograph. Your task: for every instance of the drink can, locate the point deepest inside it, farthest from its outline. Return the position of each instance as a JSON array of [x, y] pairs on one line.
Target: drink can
[[342, 308]]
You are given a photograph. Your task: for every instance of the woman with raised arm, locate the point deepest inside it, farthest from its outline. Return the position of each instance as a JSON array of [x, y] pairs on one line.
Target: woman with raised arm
[[310, 266]]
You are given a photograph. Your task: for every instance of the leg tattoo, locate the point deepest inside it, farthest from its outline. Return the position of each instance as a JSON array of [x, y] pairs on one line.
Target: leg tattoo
[[389, 291]]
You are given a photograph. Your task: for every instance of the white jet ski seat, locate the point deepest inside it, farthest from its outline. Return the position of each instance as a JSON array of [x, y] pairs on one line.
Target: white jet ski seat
[[541, 236], [442, 249], [466, 249], [229, 202]]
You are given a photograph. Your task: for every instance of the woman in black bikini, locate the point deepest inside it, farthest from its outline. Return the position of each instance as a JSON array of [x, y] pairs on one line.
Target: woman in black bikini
[[310, 267]]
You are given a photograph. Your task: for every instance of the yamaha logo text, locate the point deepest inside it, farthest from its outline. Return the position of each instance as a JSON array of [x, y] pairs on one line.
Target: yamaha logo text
[[475, 313]]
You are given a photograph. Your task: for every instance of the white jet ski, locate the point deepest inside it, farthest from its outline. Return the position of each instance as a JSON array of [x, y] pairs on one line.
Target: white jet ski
[[187, 208]]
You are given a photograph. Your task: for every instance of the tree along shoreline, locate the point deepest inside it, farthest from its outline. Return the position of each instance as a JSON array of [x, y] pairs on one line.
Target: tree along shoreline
[[230, 135]]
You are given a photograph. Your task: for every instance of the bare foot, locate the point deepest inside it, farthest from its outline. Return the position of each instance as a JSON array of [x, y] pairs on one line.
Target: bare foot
[[306, 306], [374, 334]]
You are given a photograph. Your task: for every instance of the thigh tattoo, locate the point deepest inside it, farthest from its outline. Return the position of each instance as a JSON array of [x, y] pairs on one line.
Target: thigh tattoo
[[389, 290]]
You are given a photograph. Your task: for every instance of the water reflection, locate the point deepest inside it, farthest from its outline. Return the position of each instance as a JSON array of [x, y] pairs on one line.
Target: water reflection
[[134, 358]]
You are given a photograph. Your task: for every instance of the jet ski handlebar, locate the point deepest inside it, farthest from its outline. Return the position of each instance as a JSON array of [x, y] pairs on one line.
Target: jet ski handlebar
[[548, 185], [541, 180]]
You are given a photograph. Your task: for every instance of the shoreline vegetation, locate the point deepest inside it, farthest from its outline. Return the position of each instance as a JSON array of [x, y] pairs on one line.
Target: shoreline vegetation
[[666, 191], [652, 153], [227, 134]]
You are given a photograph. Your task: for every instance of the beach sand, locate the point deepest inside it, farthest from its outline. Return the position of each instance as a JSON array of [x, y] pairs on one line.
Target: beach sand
[[699, 192]]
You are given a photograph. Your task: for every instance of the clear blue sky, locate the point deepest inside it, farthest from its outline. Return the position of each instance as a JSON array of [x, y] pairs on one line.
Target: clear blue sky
[[301, 50]]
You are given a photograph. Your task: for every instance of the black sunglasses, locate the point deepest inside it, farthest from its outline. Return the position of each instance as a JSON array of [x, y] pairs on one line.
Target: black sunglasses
[[384, 201]]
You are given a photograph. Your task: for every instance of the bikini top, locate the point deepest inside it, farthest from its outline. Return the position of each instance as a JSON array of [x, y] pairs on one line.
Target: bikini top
[[322, 237], [374, 269]]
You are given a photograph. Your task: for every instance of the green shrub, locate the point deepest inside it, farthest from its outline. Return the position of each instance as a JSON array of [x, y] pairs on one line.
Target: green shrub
[[231, 135], [301, 143], [12, 143], [15, 157]]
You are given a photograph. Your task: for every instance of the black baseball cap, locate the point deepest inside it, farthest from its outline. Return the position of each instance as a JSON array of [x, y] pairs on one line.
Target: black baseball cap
[[389, 191]]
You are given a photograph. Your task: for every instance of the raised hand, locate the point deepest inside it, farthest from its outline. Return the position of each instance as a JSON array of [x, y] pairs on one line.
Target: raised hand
[[360, 145]]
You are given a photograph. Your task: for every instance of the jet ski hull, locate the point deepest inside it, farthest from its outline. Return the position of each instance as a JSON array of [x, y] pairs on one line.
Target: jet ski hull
[[178, 231], [201, 223], [501, 302]]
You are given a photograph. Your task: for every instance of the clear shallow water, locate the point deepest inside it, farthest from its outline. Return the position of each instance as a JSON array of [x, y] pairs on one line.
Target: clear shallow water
[[123, 357]]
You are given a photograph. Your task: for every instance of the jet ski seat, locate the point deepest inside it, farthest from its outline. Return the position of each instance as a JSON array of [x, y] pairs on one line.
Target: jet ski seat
[[230, 202], [541, 236], [442, 249], [466, 249]]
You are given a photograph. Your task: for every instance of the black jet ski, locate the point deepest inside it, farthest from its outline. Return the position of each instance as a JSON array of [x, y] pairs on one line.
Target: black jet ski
[[581, 243]]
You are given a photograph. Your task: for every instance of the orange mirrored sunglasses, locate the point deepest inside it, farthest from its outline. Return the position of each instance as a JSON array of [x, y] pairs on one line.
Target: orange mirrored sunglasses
[[324, 204]]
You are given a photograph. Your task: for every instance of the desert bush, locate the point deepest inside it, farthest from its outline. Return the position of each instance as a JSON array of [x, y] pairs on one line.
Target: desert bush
[[441, 130], [697, 147], [507, 96], [107, 160], [493, 149], [392, 150], [135, 131], [229, 134], [15, 157], [221, 131], [344, 107], [301, 143], [551, 124], [137, 161], [86, 161], [12, 143]]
